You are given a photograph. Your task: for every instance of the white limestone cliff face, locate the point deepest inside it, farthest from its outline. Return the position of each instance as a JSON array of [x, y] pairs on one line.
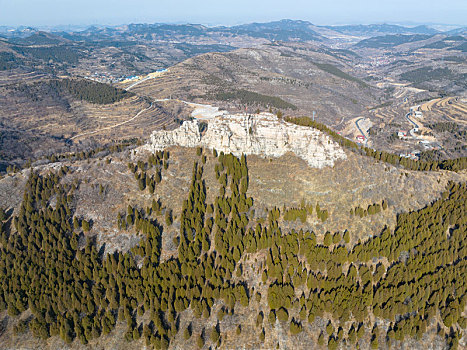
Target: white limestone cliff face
[[262, 135]]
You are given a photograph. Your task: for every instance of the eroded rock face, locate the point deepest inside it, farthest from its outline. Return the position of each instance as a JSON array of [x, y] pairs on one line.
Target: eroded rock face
[[262, 135]]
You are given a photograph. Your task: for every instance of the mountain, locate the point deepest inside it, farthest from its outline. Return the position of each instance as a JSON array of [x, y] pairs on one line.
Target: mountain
[[280, 76], [462, 47], [143, 48], [283, 30], [381, 29], [387, 41], [449, 42], [422, 29], [17, 32], [40, 38], [458, 31], [168, 29]]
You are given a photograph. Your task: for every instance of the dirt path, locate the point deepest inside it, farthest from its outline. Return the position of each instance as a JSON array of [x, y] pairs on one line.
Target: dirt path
[[444, 102], [113, 126]]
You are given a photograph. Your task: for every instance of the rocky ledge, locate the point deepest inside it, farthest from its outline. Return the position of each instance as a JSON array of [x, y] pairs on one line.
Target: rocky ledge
[[264, 135]]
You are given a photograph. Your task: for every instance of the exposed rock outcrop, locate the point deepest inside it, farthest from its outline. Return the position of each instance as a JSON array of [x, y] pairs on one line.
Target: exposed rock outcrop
[[263, 135]]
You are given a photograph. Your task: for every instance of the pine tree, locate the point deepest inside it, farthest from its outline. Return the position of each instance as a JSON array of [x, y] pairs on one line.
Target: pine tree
[[85, 225]]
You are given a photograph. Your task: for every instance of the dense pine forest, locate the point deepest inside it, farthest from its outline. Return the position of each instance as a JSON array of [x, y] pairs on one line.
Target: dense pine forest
[[80, 89], [59, 54], [412, 277], [8, 61], [92, 91]]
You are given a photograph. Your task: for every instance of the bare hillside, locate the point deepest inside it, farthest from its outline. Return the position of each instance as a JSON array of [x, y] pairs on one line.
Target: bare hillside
[[302, 78]]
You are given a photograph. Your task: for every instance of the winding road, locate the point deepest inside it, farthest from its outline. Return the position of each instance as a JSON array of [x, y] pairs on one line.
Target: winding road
[[411, 121]]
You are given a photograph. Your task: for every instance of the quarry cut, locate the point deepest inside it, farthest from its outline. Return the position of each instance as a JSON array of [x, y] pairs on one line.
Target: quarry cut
[[264, 135]]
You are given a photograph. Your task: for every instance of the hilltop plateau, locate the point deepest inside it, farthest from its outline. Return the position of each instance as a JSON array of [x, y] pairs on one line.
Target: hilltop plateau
[[106, 186]]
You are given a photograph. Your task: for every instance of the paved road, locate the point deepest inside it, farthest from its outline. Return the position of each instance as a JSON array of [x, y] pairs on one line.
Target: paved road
[[138, 82], [149, 76], [360, 129], [411, 121]]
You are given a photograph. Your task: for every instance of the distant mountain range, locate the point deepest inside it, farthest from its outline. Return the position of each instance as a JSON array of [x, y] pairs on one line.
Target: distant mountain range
[[386, 41], [148, 47], [283, 30], [382, 29], [39, 38], [452, 42], [458, 31]]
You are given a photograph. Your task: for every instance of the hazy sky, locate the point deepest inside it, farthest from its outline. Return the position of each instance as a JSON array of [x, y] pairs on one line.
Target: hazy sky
[[60, 12]]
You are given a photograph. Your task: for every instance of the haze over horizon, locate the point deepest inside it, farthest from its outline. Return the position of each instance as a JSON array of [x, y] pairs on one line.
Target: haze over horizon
[[209, 12]]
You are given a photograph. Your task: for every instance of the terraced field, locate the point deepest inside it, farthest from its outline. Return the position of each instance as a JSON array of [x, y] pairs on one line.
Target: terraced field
[[449, 108], [394, 130]]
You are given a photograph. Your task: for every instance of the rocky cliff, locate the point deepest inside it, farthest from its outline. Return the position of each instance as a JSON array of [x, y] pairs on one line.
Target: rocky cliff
[[263, 135]]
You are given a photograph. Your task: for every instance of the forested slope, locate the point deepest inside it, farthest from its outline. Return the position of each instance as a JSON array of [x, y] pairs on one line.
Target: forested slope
[[412, 277]]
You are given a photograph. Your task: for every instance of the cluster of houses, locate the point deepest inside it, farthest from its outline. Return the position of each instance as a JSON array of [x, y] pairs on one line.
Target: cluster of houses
[[105, 77], [427, 145]]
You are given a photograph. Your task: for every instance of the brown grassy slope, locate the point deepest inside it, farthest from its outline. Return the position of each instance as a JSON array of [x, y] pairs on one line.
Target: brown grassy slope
[[35, 121], [287, 72]]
